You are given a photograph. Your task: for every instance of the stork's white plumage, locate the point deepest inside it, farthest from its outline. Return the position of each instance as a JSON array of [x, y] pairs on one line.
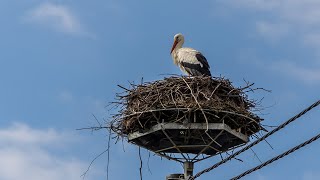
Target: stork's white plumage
[[190, 61]]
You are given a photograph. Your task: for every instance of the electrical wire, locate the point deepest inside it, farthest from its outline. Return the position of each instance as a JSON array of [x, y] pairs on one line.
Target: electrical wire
[[277, 157], [257, 141]]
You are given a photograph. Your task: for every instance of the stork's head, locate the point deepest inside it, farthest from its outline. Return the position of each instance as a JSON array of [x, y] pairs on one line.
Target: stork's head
[[178, 40]]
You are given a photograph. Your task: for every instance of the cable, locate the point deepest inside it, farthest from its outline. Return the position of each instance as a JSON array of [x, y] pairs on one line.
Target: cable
[[257, 141], [276, 158]]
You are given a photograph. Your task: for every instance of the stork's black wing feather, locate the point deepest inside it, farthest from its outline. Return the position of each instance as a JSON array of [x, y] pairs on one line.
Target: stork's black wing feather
[[203, 60], [196, 69]]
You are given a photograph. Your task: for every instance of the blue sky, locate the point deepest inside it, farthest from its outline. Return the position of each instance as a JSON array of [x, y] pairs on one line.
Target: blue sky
[[60, 62]]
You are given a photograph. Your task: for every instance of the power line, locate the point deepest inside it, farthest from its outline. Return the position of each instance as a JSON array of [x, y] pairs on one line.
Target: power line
[[257, 141], [277, 157]]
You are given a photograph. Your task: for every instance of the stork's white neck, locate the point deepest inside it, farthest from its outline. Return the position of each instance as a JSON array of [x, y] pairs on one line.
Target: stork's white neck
[[178, 46], [175, 50], [179, 39]]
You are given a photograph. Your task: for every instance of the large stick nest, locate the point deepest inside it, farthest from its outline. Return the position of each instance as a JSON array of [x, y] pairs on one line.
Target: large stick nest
[[186, 100]]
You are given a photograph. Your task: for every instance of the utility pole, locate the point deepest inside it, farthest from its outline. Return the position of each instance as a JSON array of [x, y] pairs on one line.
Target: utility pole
[[188, 171]]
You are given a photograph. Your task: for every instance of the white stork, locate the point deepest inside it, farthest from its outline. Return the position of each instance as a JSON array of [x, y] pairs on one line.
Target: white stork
[[190, 61]]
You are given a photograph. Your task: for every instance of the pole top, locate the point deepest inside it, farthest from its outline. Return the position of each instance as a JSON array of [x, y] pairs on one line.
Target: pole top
[[175, 177]]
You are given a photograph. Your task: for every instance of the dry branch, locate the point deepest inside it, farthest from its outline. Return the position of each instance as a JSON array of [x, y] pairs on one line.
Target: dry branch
[[183, 100]]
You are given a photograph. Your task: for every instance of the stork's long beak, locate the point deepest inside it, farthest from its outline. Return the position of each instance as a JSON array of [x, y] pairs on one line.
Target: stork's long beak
[[174, 46]]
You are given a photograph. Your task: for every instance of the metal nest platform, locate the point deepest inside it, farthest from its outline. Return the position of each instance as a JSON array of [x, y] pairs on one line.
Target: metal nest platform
[[186, 118], [195, 138]]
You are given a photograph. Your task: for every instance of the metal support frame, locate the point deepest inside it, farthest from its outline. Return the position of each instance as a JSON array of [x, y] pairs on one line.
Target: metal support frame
[[211, 132], [202, 126], [220, 129]]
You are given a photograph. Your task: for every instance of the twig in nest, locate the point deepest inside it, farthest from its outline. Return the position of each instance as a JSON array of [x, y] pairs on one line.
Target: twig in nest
[[186, 100], [235, 157], [198, 105], [109, 138], [257, 89], [215, 90], [140, 169], [148, 163], [93, 128], [124, 88], [255, 154], [97, 120], [85, 173]]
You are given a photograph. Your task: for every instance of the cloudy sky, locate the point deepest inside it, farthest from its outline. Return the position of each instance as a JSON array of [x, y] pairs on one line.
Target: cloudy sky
[[61, 61]]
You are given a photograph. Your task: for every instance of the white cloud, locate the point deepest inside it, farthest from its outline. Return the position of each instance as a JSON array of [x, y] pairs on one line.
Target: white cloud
[[296, 20], [303, 17], [55, 16], [271, 31], [306, 75], [21, 134], [24, 154]]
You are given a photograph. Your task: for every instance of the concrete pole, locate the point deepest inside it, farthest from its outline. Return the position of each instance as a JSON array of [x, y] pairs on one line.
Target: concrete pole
[[175, 177], [188, 169]]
